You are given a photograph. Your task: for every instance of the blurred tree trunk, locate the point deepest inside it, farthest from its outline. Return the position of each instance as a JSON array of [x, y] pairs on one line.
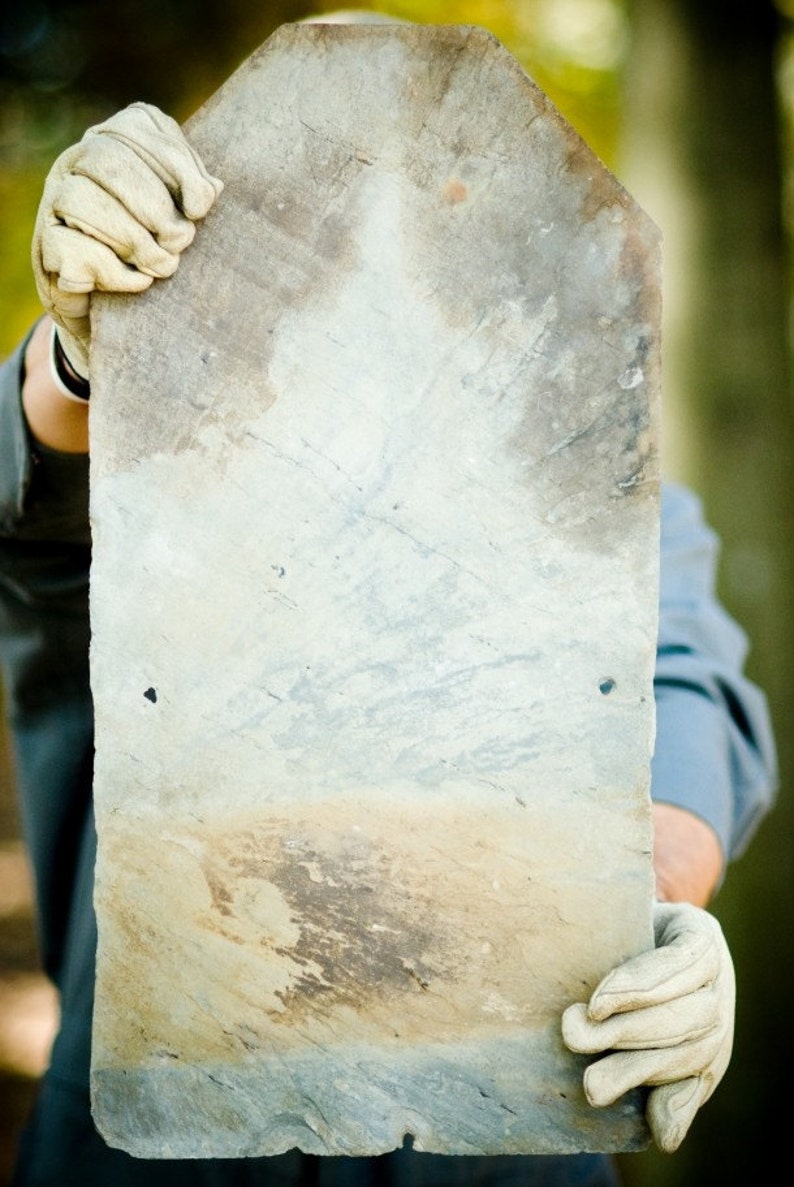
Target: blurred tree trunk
[[702, 153]]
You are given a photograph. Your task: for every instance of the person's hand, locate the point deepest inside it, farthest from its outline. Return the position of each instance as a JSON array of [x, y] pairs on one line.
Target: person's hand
[[666, 1019], [118, 209]]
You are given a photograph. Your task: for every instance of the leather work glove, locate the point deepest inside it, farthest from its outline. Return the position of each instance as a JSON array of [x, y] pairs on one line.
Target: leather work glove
[[666, 1019], [117, 210]]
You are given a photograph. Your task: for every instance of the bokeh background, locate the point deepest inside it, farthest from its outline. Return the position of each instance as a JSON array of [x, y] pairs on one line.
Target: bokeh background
[[691, 104]]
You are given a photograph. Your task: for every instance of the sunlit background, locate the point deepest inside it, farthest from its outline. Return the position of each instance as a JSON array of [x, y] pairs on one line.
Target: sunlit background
[[691, 104]]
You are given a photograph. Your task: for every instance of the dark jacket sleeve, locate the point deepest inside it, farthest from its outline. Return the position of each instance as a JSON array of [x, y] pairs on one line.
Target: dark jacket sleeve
[[715, 751], [45, 554], [45, 550], [43, 493]]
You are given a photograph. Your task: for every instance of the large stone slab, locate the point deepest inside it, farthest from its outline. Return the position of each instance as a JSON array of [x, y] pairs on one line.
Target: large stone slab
[[374, 500]]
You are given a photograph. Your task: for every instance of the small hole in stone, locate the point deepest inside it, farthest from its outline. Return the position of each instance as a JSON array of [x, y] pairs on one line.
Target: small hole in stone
[[606, 685], [408, 1141], [151, 695]]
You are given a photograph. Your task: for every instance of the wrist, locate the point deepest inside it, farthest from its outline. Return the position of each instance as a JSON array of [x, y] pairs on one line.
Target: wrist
[[68, 381], [54, 422], [688, 859]]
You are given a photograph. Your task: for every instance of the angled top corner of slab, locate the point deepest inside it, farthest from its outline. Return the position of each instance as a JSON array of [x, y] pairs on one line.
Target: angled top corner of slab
[[429, 55]]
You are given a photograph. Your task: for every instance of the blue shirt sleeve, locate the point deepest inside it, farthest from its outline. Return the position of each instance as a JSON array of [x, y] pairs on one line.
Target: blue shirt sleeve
[[715, 751]]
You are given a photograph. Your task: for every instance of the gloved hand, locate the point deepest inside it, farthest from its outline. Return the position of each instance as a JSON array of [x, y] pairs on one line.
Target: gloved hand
[[117, 210], [666, 1017]]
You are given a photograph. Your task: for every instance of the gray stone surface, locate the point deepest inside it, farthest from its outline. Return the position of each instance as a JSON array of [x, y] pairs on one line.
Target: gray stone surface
[[375, 509]]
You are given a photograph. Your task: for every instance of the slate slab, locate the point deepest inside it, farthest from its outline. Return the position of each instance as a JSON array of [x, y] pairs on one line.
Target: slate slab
[[375, 509]]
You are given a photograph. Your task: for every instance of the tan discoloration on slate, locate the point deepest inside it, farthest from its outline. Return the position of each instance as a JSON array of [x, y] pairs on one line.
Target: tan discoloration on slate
[[304, 917], [374, 501]]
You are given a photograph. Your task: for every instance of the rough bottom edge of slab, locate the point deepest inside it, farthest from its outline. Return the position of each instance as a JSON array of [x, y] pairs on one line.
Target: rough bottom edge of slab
[[464, 1102]]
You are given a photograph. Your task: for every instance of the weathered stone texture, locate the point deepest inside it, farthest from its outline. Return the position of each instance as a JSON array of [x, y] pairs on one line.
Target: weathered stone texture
[[374, 498]]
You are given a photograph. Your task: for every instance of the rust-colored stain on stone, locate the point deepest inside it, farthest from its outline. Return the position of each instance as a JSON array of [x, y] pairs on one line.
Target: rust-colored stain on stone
[[455, 191]]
